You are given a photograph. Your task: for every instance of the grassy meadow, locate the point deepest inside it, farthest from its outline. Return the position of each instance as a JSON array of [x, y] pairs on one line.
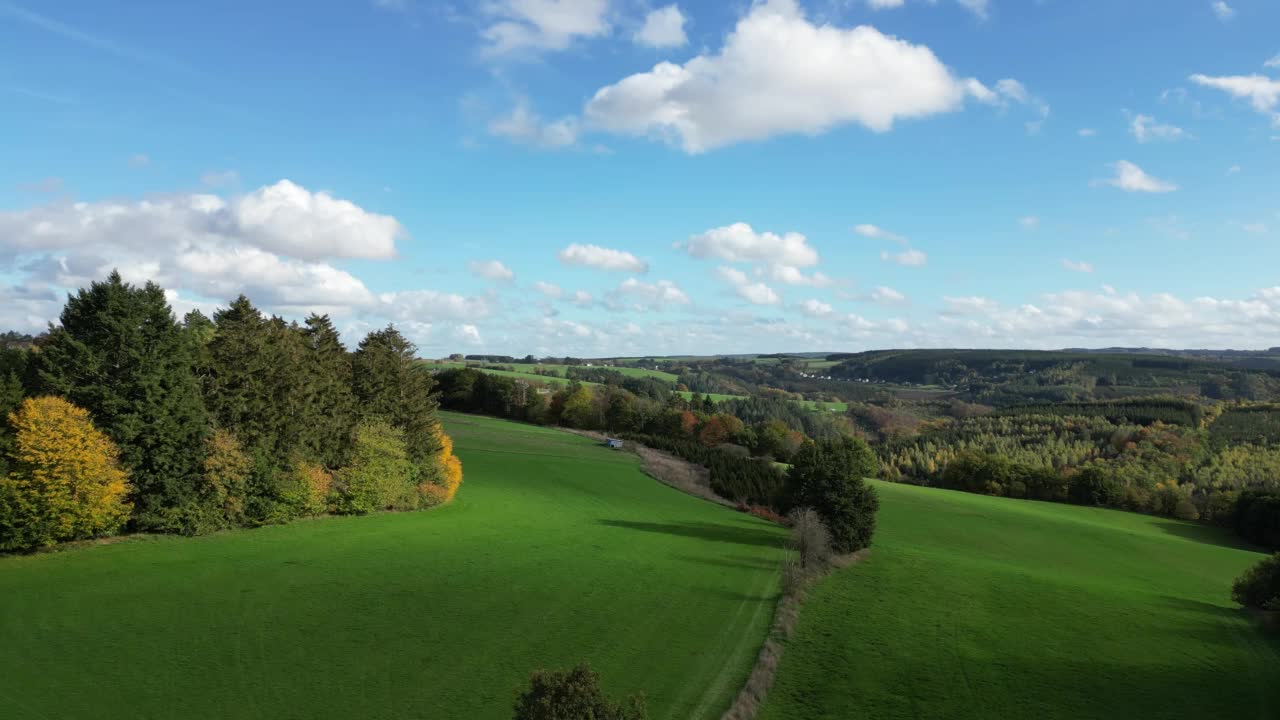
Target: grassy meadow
[[556, 551], [978, 607]]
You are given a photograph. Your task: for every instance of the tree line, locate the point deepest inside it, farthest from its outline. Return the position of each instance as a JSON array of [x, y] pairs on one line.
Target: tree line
[[209, 423]]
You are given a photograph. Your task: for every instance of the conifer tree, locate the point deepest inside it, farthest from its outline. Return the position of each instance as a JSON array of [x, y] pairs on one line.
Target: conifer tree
[[332, 403], [119, 353], [389, 384]]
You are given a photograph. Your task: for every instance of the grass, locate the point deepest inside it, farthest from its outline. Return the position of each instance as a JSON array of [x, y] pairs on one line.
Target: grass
[[556, 551], [978, 607]]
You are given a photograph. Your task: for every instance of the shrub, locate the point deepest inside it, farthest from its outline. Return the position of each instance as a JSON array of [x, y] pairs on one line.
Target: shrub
[[66, 481], [828, 477], [441, 480], [573, 695], [1184, 509], [305, 488], [1259, 586], [380, 476]]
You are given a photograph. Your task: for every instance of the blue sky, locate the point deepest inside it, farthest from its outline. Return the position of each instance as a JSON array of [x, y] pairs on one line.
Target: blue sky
[[604, 177]]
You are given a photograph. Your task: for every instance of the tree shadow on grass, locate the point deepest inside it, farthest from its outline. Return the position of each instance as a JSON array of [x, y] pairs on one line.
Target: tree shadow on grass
[[1206, 534], [737, 535]]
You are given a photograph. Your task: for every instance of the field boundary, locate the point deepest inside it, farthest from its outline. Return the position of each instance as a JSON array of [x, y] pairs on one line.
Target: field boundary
[[670, 470], [785, 615]]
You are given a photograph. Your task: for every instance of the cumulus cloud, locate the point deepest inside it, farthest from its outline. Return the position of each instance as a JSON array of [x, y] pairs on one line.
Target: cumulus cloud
[[632, 294], [536, 25], [602, 258], [491, 270], [1145, 129], [1131, 178], [551, 290], [1078, 266], [1262, 92], [887, 296], [1011, 92], [526, 127], [878, 233], [906, 258], [740, 243], [1273, 62], [756, 293], [778, 73], [1224, 11], [816, 308], [794, 276], [663, 28]]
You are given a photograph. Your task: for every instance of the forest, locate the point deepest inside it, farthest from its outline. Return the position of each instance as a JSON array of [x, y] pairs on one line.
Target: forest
[[123, 418]]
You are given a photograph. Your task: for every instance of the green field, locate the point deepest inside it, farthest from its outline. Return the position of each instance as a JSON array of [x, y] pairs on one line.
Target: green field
[[556, 551], [977, 607]]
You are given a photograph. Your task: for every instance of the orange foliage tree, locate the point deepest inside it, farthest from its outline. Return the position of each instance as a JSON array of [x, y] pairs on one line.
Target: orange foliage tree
[[66, 481], [441, 483]]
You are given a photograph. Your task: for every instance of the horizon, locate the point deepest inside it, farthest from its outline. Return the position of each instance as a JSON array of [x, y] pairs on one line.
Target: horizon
[[625, 178]]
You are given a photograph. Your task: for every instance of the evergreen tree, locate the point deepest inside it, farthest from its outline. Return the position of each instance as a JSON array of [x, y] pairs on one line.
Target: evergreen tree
[[332, 403], [390, 384], [120, 354], [829, 477]]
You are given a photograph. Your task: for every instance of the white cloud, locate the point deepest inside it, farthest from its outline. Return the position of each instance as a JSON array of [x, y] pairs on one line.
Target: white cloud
[[534, 25], [551, 290], [1131, 178], [526, 127], [582, 298], [977, 7], [663, 28], [468, 333], [815, 308], [1262, 92], [740, 243], [968, 305], [491, 270], [1078, 266], [1273, 62], [878, 233], [908, 258], [1086, 132], [1222, 10], [1145, 128], [793, 276], [602, 258], [758, 294], [887, 296], [632, 294], [283, 218], [778, 73], [1030, 222], [1009, 91]]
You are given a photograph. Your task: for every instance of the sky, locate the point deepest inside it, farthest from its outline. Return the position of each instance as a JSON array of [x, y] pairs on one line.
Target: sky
[[632, 177]]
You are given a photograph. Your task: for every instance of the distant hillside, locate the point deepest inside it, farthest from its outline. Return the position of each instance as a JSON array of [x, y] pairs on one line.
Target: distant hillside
[[1008, 376]]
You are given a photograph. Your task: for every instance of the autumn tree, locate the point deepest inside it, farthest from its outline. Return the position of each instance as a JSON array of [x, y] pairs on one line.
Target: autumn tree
[[579, 409], [66, 481], [119, 353], [380, 475], [224, 475], [573, 695], [442, 483], [828, 476]]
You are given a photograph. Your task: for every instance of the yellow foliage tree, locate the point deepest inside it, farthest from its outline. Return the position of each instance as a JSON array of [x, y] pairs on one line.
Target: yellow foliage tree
[[66, 481], [442, 483]]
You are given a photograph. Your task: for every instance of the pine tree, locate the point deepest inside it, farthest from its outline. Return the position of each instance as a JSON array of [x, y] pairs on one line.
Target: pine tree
[[390, 384], [332, 403], [120, 354]]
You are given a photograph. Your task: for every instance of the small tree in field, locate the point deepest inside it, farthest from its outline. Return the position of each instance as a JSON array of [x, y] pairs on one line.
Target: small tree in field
[[828, 477], [809, 539], [573, 695], [1259, 586], [66, 482]]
